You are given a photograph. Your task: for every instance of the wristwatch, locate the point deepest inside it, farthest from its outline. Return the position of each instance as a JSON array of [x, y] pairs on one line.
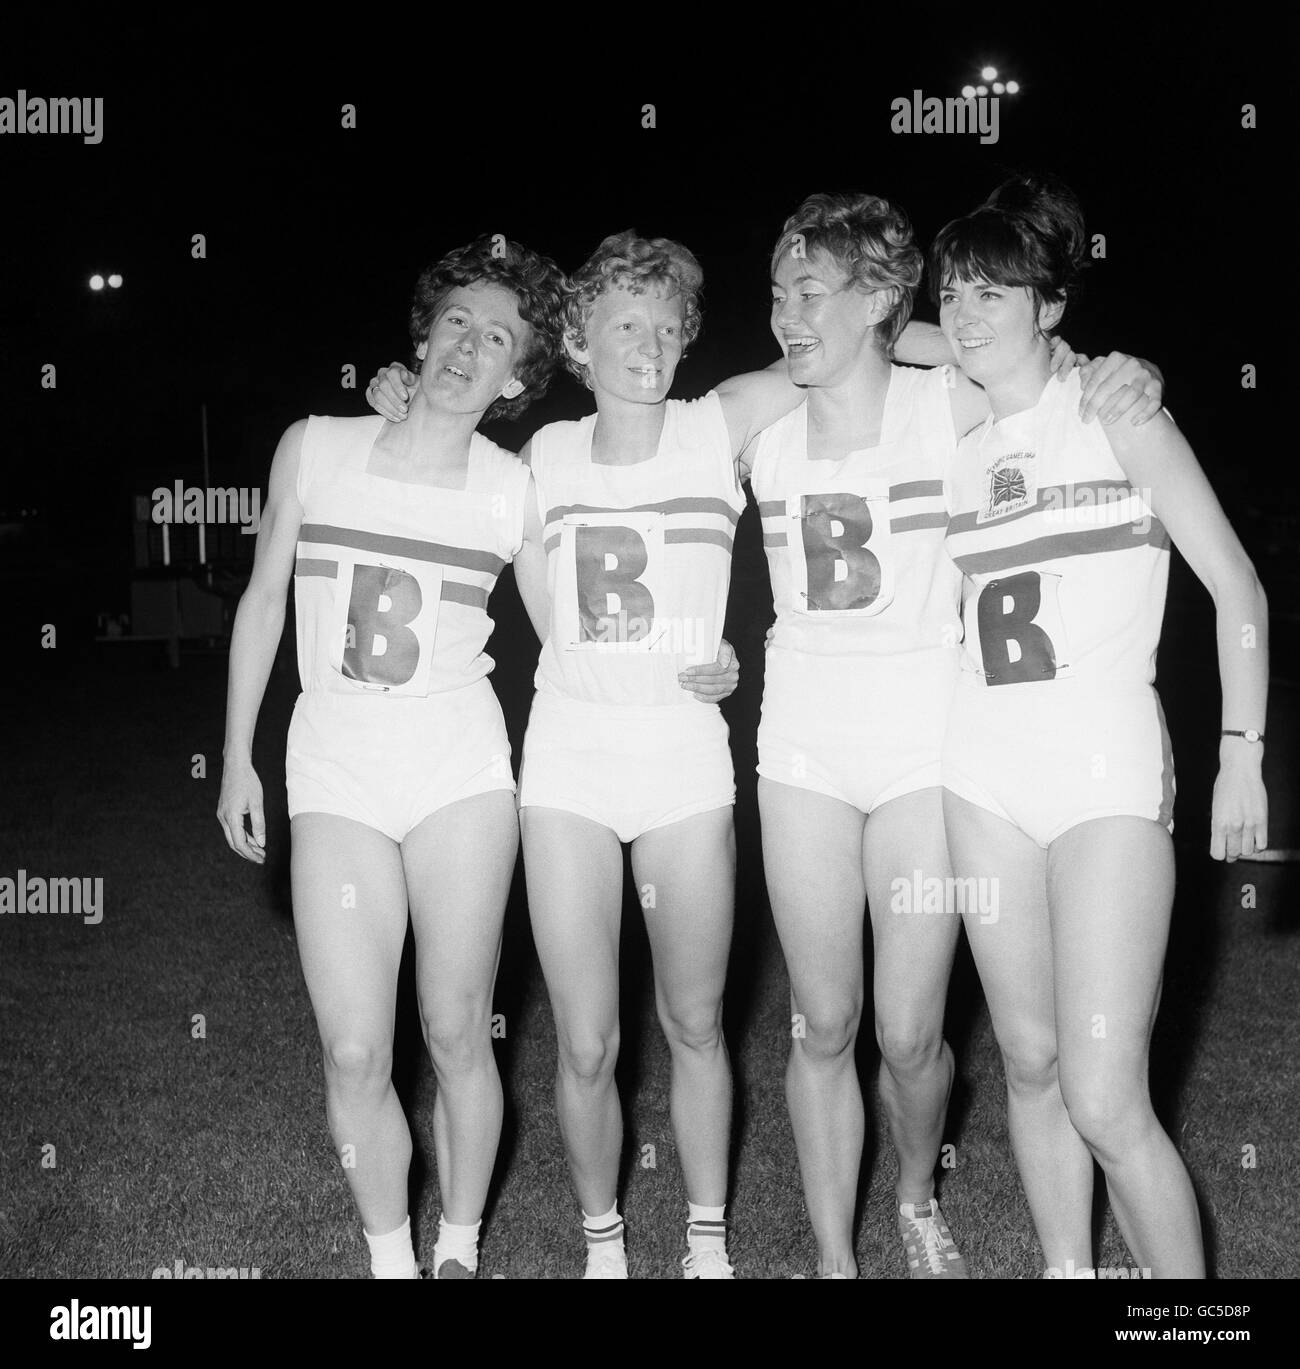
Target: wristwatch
[[1249, 734]]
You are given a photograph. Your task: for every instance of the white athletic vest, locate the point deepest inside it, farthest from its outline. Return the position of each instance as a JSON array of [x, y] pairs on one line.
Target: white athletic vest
[[855, 546], [392, 580], [638, 557], [1066, 564]]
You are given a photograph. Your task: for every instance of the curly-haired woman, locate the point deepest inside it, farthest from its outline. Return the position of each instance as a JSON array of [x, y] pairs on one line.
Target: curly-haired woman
[[399, 778]]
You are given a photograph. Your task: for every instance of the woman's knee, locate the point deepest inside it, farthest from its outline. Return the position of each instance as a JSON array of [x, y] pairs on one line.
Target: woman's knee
[[1111, 1115], [909, 1047], [827, 1033], [590, 1056], [353, 1062], [457, 1041], [694, 1028], [1031, 1066]]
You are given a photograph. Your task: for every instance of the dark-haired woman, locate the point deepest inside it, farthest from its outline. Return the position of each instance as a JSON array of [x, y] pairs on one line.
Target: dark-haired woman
[[1057, 771], [860, 673], [398, 765]]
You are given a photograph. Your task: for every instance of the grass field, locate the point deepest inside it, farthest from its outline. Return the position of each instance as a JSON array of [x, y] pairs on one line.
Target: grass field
[[214, 1151]]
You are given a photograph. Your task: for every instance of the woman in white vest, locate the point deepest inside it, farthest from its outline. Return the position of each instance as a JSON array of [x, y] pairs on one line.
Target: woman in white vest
[[398, 765], [861, 665], [1057, 771]]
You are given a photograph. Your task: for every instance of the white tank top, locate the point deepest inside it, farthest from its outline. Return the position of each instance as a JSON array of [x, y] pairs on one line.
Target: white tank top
[[638, 557], [392, 579], [1066, 565], [855, 546]]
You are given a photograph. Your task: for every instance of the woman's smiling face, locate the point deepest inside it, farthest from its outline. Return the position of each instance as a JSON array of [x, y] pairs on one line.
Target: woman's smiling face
[[473, 348], [821, 317], [633, 342], [994, 330]]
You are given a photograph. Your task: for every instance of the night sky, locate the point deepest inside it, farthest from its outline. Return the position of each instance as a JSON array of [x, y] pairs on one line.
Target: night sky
[[315, 234]]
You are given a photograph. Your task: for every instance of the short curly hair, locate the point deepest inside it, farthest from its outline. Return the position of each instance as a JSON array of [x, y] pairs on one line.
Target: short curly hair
[[869, 238], [635, 263], [538, 286]]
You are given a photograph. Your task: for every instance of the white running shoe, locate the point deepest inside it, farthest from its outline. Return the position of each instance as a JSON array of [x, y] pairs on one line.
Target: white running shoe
[[709, 1263], [606, 1260]]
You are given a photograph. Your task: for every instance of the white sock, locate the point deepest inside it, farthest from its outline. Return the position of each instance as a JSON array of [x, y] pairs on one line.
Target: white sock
[[706, 1228], [459, 1243], [392, 1256], [607, 1228]]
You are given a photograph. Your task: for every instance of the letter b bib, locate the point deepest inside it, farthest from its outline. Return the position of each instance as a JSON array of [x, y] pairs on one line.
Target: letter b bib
[[1017, 623], [611, 575], [840, 550], [385, 619]]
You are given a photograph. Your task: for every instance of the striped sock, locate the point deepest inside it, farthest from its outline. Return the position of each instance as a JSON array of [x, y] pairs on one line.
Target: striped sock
[[392, 1255], [706, 1227], [606, 1228]]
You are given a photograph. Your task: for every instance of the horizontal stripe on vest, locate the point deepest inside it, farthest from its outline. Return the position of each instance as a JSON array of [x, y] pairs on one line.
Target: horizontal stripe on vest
[[672, 537], [1060, 546], [468, 558], [311, 565], [453, 591], [915, 521], [472, 596], [1051, 497], [916, 489], [687, 504], [909, 489]]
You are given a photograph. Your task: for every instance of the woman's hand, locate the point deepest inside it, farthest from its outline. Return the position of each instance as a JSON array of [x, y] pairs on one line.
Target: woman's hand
[[713, 683], [1064, 357], [1239, 812], [388, 392], [1118, 385], [241, 793]]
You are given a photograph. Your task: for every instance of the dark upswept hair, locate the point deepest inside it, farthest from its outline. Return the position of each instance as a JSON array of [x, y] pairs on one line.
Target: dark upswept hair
[[636, 263], [870, 238], [1029, 232], [538, 287]]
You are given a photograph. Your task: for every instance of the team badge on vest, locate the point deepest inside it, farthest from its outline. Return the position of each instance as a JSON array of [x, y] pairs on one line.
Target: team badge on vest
[[1010, 486]]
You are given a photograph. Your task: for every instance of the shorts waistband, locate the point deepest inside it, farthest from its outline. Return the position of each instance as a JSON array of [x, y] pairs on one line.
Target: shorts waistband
[[691, 708], [390, 705]]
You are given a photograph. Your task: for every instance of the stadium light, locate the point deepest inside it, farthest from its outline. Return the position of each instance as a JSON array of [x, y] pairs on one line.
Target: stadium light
[[97, 282], [998, 88], [968, 92], [989, 73], [1013, 87], [115, 281]]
